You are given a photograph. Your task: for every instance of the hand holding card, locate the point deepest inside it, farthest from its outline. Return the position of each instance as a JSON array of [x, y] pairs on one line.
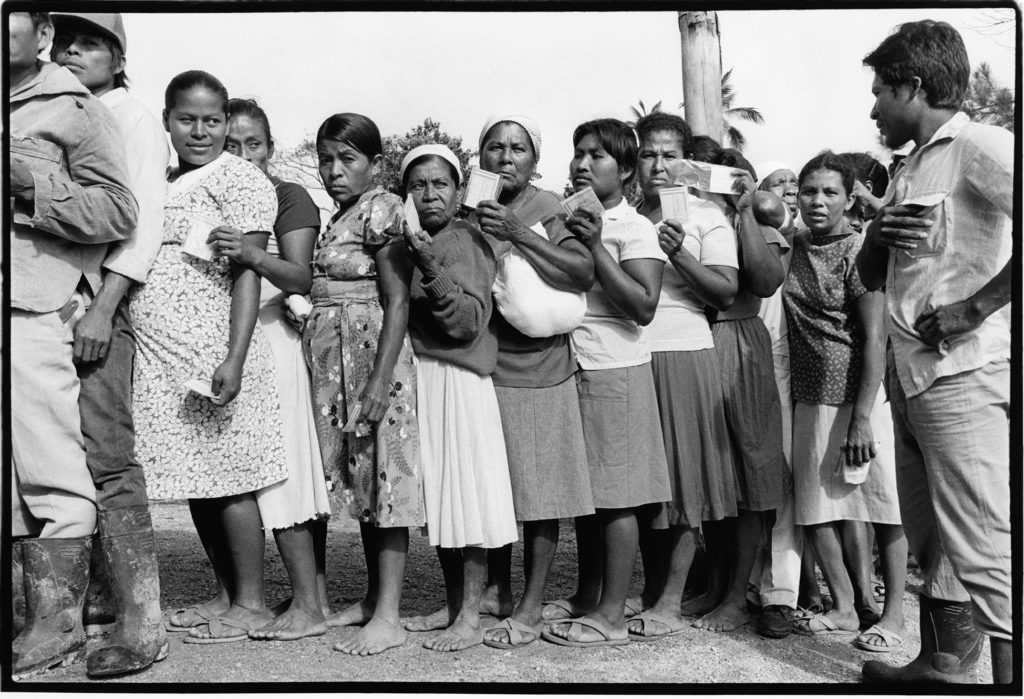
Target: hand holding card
[[195, 242], [585, 199], [482, 185], [201, 387]]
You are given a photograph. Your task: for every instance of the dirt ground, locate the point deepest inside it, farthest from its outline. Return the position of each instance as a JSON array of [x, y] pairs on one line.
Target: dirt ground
[[740, 658]]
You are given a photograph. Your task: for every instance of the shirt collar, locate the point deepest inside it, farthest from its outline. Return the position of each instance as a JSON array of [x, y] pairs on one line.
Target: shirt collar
[[114, 97], [948, 131], [618, 211]]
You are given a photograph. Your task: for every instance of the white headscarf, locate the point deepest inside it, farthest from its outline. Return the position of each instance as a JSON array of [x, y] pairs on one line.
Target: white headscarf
[[441, 151], [770, 167], [529, 124]]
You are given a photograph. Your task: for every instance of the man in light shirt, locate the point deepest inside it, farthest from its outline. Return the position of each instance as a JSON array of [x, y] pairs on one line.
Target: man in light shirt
[[92, 47], [941, 248]]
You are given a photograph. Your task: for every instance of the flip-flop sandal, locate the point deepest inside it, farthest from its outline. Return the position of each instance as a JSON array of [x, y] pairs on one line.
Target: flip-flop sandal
[[519, 635], [868, 617], [890, 639], [631, 610], [820, 625], [563, 609], [647, 633], [217, 626], [607, 639], [193, 616]]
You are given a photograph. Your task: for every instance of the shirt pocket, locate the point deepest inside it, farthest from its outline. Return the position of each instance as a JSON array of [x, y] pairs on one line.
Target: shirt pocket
[[934, 205], [41, 156]]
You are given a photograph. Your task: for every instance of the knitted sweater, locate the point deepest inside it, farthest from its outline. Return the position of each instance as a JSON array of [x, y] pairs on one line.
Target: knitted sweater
[[449, 317]]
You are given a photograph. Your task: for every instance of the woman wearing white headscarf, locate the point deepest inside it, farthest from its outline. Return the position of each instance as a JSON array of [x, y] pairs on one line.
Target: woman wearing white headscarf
[[534, 378]]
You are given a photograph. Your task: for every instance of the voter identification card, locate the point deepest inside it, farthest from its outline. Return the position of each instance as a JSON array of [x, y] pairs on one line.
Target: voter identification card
[[411, 217], [195, 241], [201, 387], [482, 185], [707, 177], [673, 203], [584, 199]]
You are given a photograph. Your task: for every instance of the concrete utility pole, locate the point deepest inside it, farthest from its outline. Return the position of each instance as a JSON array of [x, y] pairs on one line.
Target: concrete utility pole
[[702, 72]]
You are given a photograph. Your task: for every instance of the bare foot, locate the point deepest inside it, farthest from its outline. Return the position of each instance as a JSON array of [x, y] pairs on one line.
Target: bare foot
[[700, 605], [253, 618], [282, 607], [354, 615], [497, 602], [291, 625], [441, 619], [727, 616], [465, 633], [376, 637]]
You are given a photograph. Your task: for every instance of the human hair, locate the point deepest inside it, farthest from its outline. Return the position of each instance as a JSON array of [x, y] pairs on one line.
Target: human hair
[[705, 149], [616, 137], [248, 107], [355, 130], [661, 121], [730, 157], [424, 158], [827, 160], [869, 171], [934, 52], [120, 79], [39, 19], [190, 80]]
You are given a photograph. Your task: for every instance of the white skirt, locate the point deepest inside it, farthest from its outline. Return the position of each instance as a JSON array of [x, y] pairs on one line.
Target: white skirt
[[302, 496], [467, 490]]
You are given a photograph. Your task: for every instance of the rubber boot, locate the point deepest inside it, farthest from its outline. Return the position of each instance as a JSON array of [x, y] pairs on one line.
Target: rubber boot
[[138, 639], [950, 646], [17, 589], [98, 615], [56, 575]]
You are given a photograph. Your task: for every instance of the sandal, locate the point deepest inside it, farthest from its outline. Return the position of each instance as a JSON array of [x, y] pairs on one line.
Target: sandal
[[605, 640], [890, 639], [519, 635], [652, 626], [559, 609], [868, 617], [820, 625], [217, 628], [189, 617]]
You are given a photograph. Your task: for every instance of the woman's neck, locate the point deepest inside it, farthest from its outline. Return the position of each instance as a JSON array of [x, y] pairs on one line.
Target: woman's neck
[[517, 199], [344, 208], [612, 200], [185, 166]]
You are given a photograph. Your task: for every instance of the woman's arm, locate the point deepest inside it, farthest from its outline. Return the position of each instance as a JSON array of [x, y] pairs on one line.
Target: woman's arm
[[859, 445], [395, 273], [760, 267], [714, 285], [290, 272], [245, 306]]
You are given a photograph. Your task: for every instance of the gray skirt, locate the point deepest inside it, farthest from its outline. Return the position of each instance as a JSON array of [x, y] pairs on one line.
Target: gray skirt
[[691, 404], [625, 450], [547, 458]]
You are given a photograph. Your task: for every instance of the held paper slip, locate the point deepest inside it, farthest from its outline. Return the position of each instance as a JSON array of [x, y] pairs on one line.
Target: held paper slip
[[673, 203], [584, 199], [706, 177], [482, 185], [411, 217], [195, 241], [201, 387]]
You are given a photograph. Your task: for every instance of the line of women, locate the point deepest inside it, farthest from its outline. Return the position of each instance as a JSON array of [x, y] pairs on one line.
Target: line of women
[[425, 398]]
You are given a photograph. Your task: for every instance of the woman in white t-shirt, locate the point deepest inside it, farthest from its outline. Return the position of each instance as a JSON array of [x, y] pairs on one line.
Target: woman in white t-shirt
[[701, 271], [628, 473]]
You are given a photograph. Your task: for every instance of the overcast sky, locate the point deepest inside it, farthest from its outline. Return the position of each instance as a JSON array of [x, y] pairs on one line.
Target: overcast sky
[[801, 68]]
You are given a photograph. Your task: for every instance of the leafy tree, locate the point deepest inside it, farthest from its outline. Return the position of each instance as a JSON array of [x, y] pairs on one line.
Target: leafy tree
[[736, 138], [986, 102], [396, 147]]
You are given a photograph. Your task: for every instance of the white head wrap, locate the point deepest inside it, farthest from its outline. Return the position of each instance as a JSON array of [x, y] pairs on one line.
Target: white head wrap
[[770, 167], [530, 126], [441, 151]]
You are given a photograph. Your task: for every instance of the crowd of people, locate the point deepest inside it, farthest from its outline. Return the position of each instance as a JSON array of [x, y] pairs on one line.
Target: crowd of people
[[780, 377]]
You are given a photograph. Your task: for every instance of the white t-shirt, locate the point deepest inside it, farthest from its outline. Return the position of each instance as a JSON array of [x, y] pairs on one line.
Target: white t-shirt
[[607, 339], [680, 325]]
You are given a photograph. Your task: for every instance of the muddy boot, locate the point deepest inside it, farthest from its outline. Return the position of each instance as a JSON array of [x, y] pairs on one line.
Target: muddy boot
[[950, 646], [17, 589], [98, 616], [56, 575], [138, 639]]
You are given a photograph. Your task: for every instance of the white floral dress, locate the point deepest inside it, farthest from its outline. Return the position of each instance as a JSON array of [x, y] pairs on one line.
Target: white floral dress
[[189, 447]]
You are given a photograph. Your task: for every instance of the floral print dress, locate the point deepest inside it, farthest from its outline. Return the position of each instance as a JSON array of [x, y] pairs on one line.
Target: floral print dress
[[376, 469], [189, 447]]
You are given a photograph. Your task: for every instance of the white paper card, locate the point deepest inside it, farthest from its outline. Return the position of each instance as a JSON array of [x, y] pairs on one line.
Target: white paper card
[[195, 241], [673, 203], [201, 387], [585, 199], [411, 216], [299, 305], [707, 177], [482, 185]]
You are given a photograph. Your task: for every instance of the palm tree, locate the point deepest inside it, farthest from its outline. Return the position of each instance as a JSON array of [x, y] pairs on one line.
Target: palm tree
[[986, 102], [736, 138], [642, 111]]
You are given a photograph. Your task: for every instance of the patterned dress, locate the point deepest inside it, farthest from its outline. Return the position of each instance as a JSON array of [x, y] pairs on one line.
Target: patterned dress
[[189, 447], [376, 470]]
